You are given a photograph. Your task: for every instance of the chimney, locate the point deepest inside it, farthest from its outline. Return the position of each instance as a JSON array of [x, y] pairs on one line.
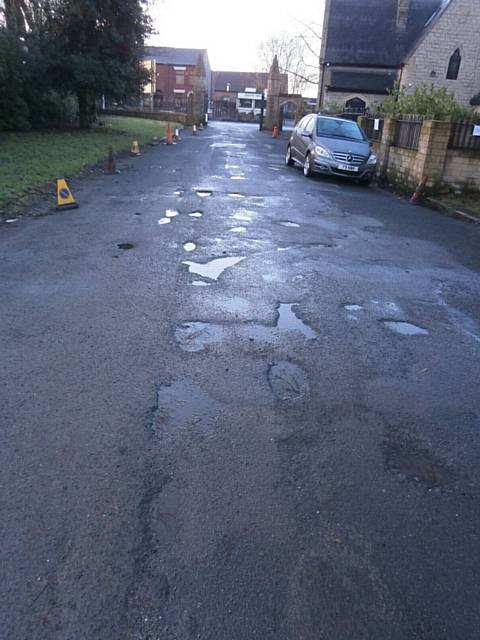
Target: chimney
[[402, 15]]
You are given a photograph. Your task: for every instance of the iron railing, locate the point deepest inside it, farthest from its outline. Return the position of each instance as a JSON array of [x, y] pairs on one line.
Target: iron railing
[[407, 132], [461, 134]]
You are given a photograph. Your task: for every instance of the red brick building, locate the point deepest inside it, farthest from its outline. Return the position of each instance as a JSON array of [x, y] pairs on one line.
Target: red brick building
[[171, 70]]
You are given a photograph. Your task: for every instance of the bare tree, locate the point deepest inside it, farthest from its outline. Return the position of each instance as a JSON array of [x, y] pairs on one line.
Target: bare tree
[[298, 55]]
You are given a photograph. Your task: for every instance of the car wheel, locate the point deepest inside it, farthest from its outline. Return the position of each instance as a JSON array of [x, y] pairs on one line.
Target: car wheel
[[307, 167], [288, 158]]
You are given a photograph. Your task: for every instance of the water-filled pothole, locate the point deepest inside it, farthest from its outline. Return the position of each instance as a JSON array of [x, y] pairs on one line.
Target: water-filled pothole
[[287, 223], [125, 245], [196, 214], [183, 404], [243, 216], [195, 336], [353, 307], [214, 268], [171, 213], [237, 178], [238, 229], [405, 328], [204, 193], [287, 381], [189, 246], [164, 221], [200, 283], [288, 321], [236, 195]]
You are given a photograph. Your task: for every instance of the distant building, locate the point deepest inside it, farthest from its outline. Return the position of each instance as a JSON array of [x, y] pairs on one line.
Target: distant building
[[239, 92], [369, 45], [171, 71]]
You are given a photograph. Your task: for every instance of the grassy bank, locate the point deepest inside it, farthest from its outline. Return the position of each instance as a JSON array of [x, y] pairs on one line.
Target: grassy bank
[[32, 160], [469, 202]]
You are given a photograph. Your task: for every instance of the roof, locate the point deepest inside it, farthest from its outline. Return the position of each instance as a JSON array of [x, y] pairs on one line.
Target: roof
[[365, 32], [365, 82], [239, 80], [173, 55]]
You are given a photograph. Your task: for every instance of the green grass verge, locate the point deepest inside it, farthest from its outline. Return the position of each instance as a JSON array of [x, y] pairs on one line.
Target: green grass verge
[[30, 161], [468, 202]]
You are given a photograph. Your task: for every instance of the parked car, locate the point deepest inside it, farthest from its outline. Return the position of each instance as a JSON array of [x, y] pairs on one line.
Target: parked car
[[333, 146]]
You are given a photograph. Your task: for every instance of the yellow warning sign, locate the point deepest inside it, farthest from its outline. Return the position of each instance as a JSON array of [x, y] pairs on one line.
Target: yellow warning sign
[[65, 199]]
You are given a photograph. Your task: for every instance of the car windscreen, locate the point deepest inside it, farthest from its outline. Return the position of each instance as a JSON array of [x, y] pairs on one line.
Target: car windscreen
[[330, 128]]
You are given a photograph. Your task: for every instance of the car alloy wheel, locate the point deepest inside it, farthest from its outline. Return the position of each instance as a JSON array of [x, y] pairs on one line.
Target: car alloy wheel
[[307, 167]]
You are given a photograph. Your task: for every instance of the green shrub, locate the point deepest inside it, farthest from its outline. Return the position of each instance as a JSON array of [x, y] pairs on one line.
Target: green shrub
[[425, 99]]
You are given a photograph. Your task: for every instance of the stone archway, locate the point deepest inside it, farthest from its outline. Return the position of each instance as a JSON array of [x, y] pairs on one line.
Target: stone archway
[[288, 115]]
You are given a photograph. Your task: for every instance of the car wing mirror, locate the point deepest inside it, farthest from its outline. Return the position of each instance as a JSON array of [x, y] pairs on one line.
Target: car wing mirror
[[306, 134]]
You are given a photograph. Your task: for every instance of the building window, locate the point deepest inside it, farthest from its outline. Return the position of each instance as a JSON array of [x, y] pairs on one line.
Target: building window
[[179, 77], [454, 65]]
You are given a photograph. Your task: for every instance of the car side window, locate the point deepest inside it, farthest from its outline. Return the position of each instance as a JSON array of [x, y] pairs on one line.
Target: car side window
[[301, 124], [310, 124]]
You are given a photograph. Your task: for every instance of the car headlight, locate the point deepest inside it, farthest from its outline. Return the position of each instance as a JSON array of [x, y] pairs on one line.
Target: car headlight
[[372, 159], [320, 151]]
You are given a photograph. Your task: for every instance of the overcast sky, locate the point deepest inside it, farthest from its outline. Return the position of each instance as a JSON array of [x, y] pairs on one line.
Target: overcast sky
[[231, 31]]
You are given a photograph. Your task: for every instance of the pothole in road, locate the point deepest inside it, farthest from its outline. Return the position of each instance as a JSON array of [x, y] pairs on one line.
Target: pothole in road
[[164, 221], [236, 195], [237, 178], [189, 246], [125, 245], [196, 214], [238, 229], [224, 145], [404, 328], [183, 404], [195, 336], [205, 193], [171, 213], [178, 193], [287, 223], [214, 268], [287, 381], [352, 307], [200, 283], [288, 321]]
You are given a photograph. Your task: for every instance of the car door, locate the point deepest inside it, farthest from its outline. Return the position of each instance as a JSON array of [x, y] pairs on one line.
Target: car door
[[305, 137], [297, 142]]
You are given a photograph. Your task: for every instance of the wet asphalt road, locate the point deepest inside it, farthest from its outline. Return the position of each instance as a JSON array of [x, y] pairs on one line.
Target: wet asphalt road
[[257, 456]]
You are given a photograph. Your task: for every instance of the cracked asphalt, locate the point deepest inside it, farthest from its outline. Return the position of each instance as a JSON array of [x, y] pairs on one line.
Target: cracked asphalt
[[281, 446]]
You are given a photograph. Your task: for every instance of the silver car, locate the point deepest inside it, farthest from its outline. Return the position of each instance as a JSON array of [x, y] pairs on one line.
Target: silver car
[[334, 146]]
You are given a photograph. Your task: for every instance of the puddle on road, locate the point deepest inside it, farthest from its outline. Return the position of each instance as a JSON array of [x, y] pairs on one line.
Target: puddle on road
[[404, 328], [200, 283], [196, 214], [232, 166], [353, 307], [164, 221], [195, 336], [234, 305], [214, 268], [236, 195], [183, 404], [243, 216], [238, 229], [288, 321], [189, 246], [178, 193], [289, 224], [125, 246], [223, 145], [287, 381], [237, 178], [204, 194], [171, 213]]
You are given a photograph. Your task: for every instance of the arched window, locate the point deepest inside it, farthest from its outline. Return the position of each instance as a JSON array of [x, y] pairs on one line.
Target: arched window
[[454, 65], [355, 105]]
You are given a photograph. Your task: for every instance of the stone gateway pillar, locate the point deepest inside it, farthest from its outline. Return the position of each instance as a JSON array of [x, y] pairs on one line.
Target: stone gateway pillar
[[274, 84], [197, 101]]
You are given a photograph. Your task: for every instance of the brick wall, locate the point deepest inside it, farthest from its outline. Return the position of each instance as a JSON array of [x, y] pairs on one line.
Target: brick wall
[[457, 28], [166, 77]]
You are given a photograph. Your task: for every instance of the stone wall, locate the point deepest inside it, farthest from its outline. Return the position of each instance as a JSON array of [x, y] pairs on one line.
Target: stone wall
[[335, 98], [444, 167], [458, 27], [462, 169]]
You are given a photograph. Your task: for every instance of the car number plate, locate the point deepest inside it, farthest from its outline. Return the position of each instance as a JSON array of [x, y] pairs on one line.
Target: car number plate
[[347, 167]]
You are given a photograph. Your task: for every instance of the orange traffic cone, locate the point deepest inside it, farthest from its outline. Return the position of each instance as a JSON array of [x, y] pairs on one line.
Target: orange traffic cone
[[276, 131], [111, 165], [419, 191], [169, 134], [135, 151]]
